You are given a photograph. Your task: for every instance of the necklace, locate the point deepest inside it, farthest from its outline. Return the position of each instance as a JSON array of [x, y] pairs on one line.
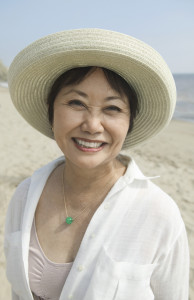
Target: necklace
[[69, 219]]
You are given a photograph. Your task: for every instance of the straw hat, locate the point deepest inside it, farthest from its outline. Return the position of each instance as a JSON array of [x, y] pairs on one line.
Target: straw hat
[[34, 70]]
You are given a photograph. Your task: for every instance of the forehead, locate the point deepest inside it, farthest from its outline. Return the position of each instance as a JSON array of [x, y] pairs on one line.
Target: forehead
[[95, 79]]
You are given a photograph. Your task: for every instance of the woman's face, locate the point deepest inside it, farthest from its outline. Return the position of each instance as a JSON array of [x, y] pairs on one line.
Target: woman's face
[[91, 121]]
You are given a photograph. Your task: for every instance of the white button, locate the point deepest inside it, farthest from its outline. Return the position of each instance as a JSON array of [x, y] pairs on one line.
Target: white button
[[80, 268], [70, 296], [106, 205]]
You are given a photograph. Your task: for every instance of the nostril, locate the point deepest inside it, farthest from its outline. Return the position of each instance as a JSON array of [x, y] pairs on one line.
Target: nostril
[[92, 125]]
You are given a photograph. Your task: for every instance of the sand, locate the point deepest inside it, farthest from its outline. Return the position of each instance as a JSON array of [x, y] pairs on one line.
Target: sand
[[170, 155]]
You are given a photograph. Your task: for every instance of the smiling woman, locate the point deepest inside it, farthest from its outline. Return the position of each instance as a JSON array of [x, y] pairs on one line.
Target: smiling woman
[[90, 225]]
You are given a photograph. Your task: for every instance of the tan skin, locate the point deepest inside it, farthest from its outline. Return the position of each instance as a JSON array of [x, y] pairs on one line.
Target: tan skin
[[98, 113]]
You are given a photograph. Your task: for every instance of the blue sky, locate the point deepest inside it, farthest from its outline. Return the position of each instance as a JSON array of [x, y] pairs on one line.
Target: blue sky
[[166, 25]]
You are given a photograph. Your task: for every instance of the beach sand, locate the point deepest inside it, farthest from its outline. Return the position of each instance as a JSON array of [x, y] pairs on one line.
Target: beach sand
[[23, 150]]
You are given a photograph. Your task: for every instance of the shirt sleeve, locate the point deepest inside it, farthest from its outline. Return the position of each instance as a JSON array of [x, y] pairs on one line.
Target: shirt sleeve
[[170, 279], [14, 218]]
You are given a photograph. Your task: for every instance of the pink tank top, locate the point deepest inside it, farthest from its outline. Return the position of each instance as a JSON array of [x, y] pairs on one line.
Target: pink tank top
[[46, 278]]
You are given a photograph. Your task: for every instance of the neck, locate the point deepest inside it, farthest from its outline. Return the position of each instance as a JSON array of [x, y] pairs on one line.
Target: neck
[[88, 180]]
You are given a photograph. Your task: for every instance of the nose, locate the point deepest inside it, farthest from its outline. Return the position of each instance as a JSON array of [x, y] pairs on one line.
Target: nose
[[92, 123]]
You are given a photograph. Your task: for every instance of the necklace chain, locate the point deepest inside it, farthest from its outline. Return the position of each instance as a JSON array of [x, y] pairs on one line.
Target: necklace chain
[[69, 219]]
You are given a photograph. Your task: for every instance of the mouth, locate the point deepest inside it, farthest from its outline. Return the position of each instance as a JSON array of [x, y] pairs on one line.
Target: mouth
[[88, 145]]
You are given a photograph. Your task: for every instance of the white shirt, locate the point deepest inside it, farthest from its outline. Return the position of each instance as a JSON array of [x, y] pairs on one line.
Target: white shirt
[[135, 246]]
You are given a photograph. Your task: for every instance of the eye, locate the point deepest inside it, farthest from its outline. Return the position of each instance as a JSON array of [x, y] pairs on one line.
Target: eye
[[76, 104], [113, 108]]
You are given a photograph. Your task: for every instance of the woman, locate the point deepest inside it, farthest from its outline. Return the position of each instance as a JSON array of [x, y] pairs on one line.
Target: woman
[[90, 225]]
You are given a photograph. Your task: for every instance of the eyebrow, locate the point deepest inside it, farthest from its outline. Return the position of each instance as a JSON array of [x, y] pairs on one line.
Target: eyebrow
[[82, 94], [114, 98], [76, 91]]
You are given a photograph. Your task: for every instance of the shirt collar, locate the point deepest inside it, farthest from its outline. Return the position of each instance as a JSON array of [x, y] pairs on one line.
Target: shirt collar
[[133, 172]]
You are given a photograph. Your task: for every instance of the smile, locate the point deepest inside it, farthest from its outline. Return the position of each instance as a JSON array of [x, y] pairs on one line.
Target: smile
[[88, 144]]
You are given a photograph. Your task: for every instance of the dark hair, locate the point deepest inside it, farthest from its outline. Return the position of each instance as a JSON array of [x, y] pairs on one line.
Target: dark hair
[[76, 75]]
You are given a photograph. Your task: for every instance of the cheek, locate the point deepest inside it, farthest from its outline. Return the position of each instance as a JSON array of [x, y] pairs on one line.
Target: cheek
[[119, 129], [64, 118]]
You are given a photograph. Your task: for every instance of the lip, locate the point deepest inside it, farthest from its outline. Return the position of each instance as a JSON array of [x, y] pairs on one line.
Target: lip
[[86, 149]]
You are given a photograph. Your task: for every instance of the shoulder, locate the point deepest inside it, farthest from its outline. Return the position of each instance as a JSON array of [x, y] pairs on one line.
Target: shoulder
[[163, 215], [161, 204], [155, 210], [21, 191], [150, 197], [158, 206], [27, 187]]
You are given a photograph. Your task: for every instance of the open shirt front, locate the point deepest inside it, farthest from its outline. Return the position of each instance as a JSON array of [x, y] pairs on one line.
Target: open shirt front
[[135, 246]]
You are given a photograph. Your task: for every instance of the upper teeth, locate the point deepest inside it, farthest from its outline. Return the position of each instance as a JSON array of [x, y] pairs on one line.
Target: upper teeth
[[88, 144]]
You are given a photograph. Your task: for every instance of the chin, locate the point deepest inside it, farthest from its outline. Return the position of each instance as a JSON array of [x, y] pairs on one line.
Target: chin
[[88, 163]]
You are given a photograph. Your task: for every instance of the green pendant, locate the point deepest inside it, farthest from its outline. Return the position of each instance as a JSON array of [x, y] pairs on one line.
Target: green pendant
[[69, 220]]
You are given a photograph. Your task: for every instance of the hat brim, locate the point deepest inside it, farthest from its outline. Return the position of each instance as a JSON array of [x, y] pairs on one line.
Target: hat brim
[[34, 70]]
